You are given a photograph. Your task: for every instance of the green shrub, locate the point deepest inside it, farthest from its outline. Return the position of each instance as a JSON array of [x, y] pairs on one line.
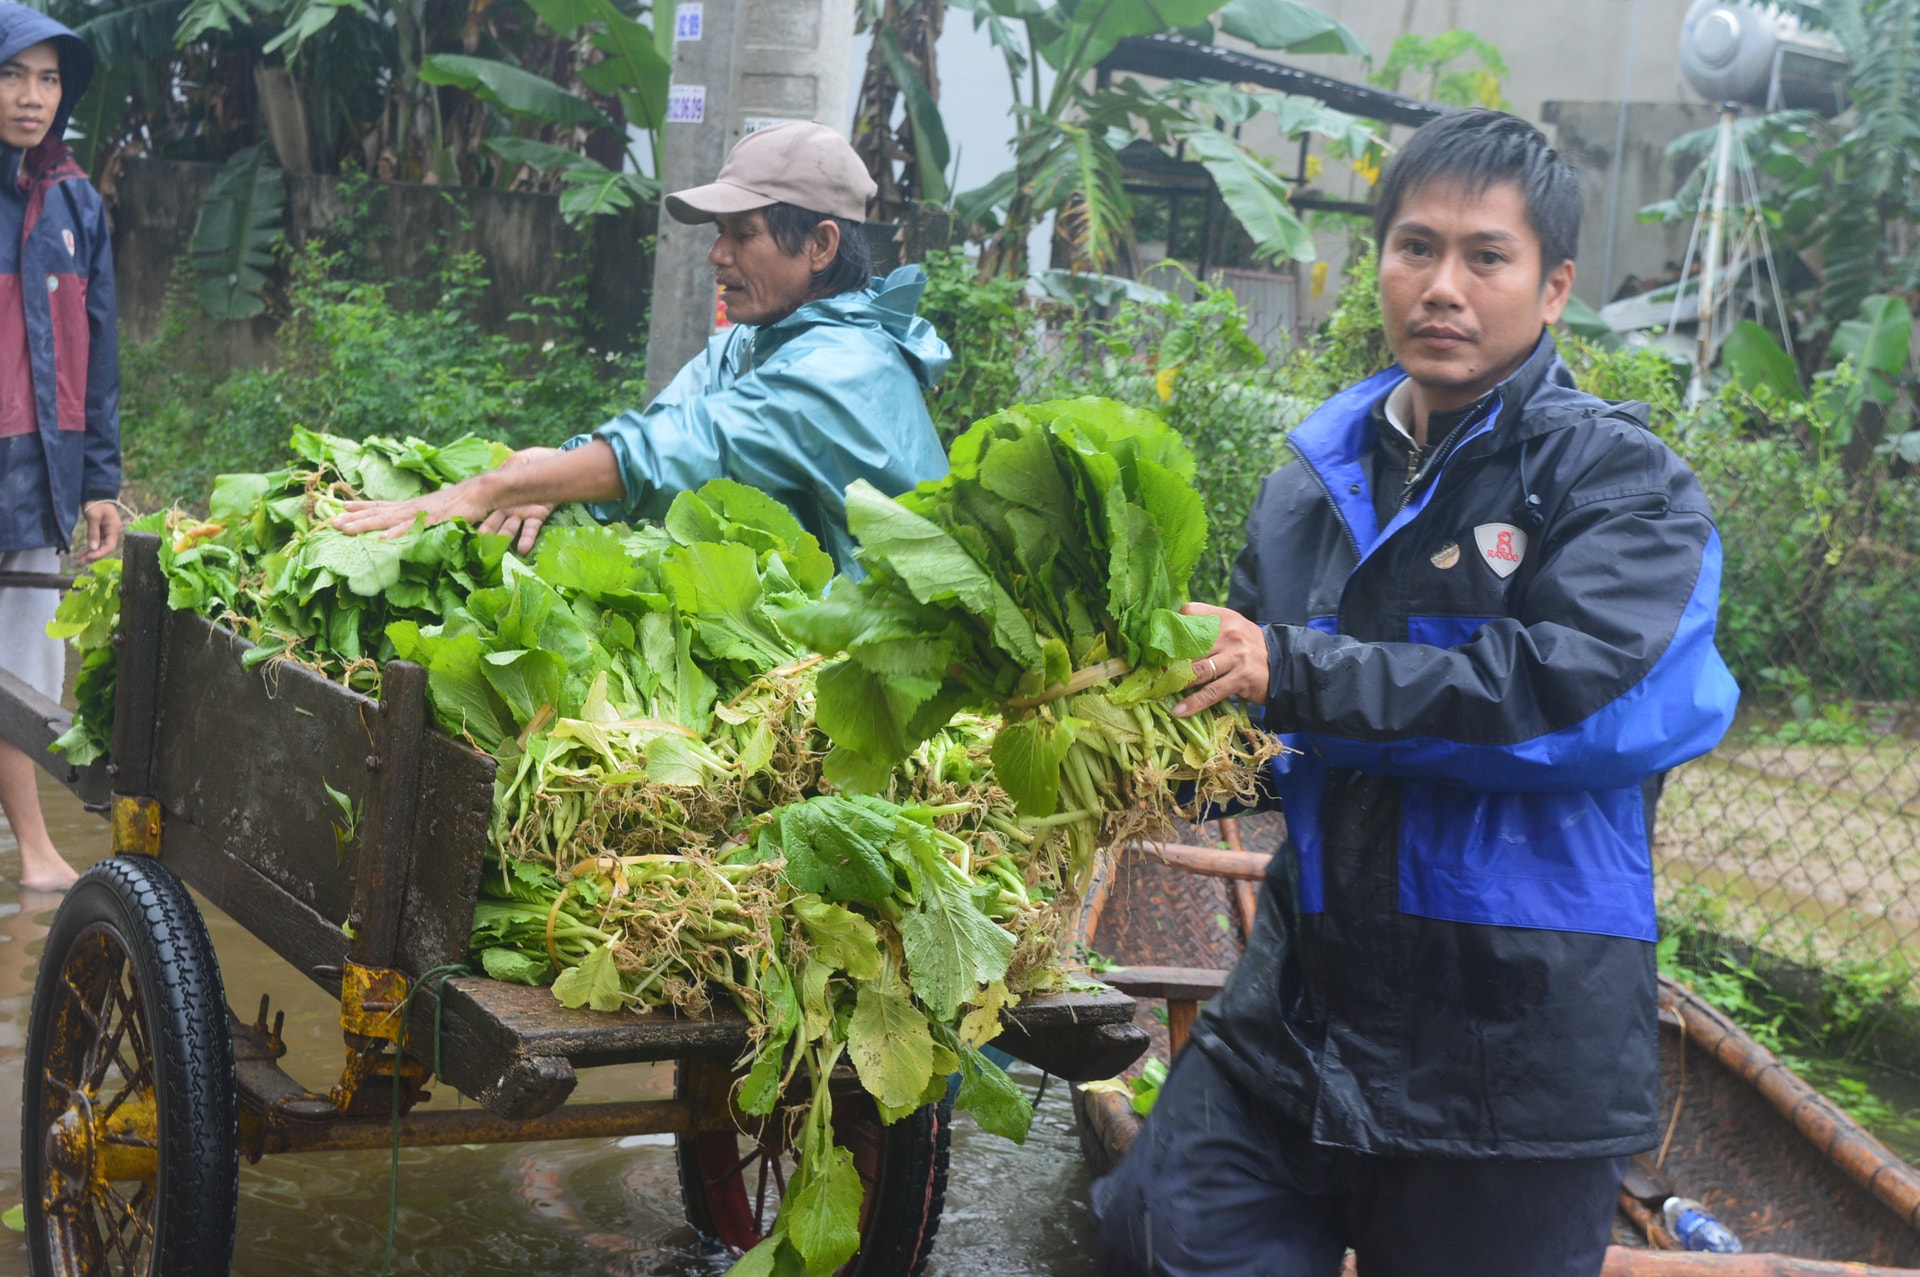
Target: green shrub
[[985, 323], [359, 357]]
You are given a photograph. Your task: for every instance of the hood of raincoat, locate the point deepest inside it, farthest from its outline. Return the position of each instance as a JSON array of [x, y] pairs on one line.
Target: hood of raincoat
[[22, 28], [800, 409], [887, 308]]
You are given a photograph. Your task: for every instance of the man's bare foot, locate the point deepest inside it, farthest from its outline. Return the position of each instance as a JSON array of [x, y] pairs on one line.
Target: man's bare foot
[[46, 871]]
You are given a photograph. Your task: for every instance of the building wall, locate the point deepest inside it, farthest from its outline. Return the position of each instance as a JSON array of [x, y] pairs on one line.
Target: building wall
[[1570, 67]]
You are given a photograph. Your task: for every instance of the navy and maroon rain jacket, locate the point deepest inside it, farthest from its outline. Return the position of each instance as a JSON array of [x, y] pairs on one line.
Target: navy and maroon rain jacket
[[59, 361]]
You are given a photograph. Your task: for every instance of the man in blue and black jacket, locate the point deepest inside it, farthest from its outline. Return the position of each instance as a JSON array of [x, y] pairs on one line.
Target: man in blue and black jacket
[[1481, 605]]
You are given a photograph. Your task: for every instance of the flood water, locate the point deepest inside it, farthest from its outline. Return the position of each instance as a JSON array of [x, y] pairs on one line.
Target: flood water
[[579, 1207]]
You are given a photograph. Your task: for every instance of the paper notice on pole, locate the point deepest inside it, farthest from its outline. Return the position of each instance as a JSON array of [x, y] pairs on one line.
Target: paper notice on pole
[[687, 18], [686, 103], [754, 123]]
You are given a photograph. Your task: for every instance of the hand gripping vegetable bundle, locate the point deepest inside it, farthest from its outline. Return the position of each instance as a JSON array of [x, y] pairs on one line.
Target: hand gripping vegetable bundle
[[1041, 581]]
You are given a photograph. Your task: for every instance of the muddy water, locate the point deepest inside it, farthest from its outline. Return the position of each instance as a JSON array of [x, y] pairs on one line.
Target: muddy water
[[580, 1207]]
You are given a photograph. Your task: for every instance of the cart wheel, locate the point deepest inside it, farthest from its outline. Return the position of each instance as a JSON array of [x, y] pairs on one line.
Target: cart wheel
[[732, 1183], [129, 1149]]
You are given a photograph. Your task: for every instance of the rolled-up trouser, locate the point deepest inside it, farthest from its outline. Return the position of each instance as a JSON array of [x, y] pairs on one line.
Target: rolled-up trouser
[[1220, 1183], [25, 650]]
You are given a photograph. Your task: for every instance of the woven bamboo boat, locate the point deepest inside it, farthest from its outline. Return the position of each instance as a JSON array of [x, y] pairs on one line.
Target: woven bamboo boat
[[1808, 1192]]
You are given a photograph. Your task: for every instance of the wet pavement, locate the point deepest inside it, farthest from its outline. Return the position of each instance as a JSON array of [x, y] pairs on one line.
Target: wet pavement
[[579, 1207]]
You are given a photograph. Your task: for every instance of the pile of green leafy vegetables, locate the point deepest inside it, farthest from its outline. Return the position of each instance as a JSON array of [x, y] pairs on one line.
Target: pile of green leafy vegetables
[[672, 824], [1041, 581]]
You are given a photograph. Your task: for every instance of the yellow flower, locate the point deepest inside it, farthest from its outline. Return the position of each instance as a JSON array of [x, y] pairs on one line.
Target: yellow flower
[[1163, 381], [1367, 167], [1315, 165], [1318, 280]]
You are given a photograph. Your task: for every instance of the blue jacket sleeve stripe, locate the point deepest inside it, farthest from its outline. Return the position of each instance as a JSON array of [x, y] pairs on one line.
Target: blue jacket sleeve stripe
[[1678, 711]]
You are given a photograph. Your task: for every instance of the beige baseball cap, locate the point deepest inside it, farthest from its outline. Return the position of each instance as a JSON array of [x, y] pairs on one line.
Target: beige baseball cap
[[807, 165]]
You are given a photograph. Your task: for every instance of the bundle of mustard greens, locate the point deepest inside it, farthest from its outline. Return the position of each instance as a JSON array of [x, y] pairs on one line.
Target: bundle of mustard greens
[[694, 804]]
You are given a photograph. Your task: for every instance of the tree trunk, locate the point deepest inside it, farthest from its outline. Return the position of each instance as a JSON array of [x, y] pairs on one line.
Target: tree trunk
[[915, 25]]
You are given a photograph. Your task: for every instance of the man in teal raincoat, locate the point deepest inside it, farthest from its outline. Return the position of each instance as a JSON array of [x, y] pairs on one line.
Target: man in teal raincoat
[[818, 382]]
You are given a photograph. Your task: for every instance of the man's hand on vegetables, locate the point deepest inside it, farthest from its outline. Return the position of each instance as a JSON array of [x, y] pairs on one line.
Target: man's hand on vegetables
[[1237, 665], [522, 522], [103, 531], [515, 499]]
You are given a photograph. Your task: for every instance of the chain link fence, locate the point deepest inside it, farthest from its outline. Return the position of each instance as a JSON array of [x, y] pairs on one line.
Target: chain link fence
[[1800, 834]]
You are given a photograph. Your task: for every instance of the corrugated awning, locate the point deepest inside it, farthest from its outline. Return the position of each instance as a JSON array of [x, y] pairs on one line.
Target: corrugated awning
[[1172, 57]]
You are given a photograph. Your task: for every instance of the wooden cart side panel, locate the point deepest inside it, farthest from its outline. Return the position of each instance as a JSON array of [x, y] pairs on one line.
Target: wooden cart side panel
[[143, 609], [30, 723], [449, 846], [243, 754]]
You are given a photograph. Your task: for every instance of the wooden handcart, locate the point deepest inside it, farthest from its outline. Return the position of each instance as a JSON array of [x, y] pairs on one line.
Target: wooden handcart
[[143, 1089]]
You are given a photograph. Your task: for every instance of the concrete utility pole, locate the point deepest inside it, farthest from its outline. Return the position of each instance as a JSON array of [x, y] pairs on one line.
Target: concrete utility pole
[[738, 65]]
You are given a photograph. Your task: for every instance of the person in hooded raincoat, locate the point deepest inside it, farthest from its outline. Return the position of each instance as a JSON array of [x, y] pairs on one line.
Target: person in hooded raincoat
[[59, 379], [818, 382]]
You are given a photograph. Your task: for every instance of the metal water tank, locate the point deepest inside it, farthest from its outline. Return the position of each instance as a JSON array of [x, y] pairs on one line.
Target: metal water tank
[[1733, 51]]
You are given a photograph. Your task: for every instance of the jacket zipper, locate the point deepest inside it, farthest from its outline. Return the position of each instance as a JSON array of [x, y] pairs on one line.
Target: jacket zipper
[[1416, 463]]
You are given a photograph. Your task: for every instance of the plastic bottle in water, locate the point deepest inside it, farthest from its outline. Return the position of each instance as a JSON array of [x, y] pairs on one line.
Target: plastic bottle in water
[[1695, 1229]]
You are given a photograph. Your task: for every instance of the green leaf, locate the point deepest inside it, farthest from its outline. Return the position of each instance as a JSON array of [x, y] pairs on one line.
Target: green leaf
[[839, 936], [514, 966], [235, 234], [517, 92], [718, 586], [594, 983], [1584, 321], [869, 713], [952, 948], [1254, 194], [593, 193], [527, 681], [15, 1217], [369, 564], [1289, 26], [931, 151], [836, 847], [822, 1212], [1097, 26], [890, 1045], [636, 66], [989, 1094], [590, 561], [935, 567], [1878, 343], [1753, 358], [542, 156], [1026, 761], [773, 1257]]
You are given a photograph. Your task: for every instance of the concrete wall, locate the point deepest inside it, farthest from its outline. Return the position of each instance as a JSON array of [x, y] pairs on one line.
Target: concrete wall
[[529, 250], [1585, 133], [1570, 66]]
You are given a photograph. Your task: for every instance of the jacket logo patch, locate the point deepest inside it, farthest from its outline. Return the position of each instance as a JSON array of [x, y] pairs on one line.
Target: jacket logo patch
[[1502, 545], [1447, 555], [66, 237]]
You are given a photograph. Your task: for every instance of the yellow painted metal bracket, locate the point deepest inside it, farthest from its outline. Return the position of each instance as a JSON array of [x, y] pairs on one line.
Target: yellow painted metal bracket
[[372, 1016], [136, 826]]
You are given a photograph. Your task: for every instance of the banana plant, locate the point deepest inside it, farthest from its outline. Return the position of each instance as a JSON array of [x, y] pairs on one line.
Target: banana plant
[[1066, 151], [236, 232]]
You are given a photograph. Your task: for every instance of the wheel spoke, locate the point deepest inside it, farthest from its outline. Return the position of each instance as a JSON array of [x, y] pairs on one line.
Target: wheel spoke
[[119, 1016], [119, 1240]]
